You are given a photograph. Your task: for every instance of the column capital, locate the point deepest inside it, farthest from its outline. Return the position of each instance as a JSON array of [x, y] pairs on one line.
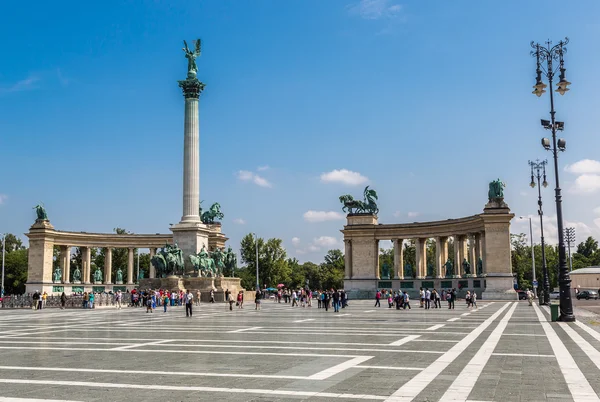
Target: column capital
[[191, 87]]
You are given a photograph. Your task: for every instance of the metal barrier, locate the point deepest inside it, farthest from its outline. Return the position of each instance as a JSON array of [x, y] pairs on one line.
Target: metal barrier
[[73, 301]]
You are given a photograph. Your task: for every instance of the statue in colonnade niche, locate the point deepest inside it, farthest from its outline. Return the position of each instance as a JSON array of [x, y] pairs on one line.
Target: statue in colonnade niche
[[408, 272], [119, 276], [479, 266], [57, 276], [466, 267], [385, 271], [430, 270], [76, 275], [368, 206], [449, 268], [98, 275]]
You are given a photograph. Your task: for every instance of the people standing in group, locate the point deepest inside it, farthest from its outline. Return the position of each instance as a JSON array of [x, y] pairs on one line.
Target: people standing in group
[[421, 298], [189, 300], [427, 298]]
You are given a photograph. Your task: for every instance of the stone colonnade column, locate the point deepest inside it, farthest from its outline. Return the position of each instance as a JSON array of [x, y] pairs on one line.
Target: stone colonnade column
[[462, 251], [152, 271], [398, 258], [376, 254], [441, 255], [65, 263], [130, 266], [108, 266], [472, 254], [86, 258], [421, 257], [482, 251], [456, 257]]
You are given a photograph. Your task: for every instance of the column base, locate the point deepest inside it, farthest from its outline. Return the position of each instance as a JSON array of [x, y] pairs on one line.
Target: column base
[[499, 287], [190, 238]]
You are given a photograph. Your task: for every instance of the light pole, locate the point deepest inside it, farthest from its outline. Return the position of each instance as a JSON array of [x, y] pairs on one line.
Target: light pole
[[548, 54], [532, 257], [570, 238], [3, 252], [537, 168], [257, 284]]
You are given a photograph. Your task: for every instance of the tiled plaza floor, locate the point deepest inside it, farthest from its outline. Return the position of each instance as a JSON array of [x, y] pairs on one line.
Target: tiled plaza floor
[[499, 352]]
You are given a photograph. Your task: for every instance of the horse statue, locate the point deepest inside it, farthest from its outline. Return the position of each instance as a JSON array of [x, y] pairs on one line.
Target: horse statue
[[168, 261], [218, 256], [368, 206], [214, 212], [203, 263], [41, 212]]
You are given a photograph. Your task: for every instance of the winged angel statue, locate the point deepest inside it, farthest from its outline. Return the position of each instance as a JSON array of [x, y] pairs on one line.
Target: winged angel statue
[[191, 56]]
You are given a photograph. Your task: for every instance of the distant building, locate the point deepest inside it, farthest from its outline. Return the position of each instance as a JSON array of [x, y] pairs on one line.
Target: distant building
[[585, 278]]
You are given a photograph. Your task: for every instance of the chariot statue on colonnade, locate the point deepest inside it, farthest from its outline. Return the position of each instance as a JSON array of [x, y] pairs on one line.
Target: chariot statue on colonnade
[[213, 213], [368, 206]]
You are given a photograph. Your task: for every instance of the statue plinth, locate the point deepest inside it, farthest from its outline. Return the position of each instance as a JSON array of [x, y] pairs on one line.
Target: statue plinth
[[56, 281], [361, 219], [118, 282], [97, 282], [495, 204]]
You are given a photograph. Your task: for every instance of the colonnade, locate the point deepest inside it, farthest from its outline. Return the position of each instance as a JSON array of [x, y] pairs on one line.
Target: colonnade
[[86, 272]]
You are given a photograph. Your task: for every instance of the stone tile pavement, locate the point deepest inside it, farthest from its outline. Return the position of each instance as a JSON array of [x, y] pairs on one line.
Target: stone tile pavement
[[499, 352]]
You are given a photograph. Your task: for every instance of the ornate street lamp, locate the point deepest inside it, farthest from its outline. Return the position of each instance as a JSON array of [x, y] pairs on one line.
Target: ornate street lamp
[[570, 239], [538, 170], [545, 56]]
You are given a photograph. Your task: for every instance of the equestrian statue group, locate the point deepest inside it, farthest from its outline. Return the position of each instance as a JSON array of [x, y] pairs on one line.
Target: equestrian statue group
[[217, 263], [367, 206]]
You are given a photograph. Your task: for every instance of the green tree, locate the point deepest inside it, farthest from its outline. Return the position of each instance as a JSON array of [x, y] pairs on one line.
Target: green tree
[[409, 254], [15, 265], [12, 243], [333, 269], [588, 247], [386, 256], [272, 263]]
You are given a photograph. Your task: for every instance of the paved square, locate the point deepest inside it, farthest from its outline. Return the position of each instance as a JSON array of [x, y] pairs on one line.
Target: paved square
[[499, 352]]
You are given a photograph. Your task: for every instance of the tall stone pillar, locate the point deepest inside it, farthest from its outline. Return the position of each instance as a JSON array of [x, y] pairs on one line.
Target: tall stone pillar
[[398, 258], [472, 254], [496, 248], [421, 258], [481, 250], [456, 257], [40, 257], [86, 259], [441, 255], [130, 266], [67, 271], [152, 270], [376, 271], [190, 233], [108, 266]]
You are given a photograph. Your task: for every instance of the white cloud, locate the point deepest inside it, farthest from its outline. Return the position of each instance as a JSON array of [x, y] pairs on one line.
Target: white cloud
[[246, 175], [375, 9], [322, 216], [326, 241], [523, 193], [23, 85], [397, 214], [582, 230], [584, 166], [3, 198], [344, 176], [295, 241], [239, 221], [586, 184], [413, 214], [597, 210], [263, 168]]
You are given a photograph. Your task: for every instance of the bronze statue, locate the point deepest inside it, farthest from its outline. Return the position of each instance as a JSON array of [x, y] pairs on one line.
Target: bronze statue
[[368, 206], [218, 257], [430, 270], [496, 191], [214, 212], [168, 261], [97, 275], [191, 56], [479, 266], [77, 275], [119, 276], [466, 267], [57, 275], [41, 212], [449, 268], [230, 261], [408, 271], [203, 263], [385, 271]]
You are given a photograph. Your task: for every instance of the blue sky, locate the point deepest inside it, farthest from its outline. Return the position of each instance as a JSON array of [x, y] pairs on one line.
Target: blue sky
[[304, 101]]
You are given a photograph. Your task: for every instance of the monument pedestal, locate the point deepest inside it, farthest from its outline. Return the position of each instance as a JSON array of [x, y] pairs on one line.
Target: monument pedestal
[[203, 284], [190, 238]]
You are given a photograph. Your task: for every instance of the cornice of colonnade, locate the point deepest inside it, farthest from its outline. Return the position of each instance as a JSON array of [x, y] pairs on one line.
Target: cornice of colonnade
[[450, 227], [112, 240]]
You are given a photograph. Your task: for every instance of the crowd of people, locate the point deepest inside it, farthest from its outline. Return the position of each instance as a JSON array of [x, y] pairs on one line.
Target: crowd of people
[[427, 298]]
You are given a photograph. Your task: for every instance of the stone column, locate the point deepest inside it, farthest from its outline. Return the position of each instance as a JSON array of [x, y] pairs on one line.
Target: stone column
[[67, 267], [130, 266], [376, 263], [108, 266], [456, 257], [152, 271], [441, 254], [421, 258], [86, 258], [482, 251], [473, 254], [399, 258], [191, 150]]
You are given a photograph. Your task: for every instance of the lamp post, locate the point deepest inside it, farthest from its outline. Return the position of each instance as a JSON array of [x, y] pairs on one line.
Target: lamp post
[[546, 55], [538, 170], [257, 284], [3, 252], [570, 238], [532, 257]]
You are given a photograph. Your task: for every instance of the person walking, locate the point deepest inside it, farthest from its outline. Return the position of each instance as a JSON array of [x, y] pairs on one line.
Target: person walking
[[165, 300], [437, 301], [257, 297], [336, 301], [240, 299], [377, 297], [529, 295], [189, 299], [421, 298], [212, 296], [63, 300], [198, 298], [474, 299], [427, 298], [452, 298], [406, 300]]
